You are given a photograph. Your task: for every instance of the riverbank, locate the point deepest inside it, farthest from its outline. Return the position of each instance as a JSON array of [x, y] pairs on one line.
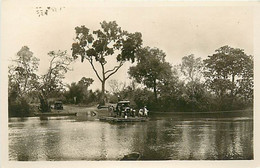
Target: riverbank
[[212, 115], [79, 110], [76, 110]]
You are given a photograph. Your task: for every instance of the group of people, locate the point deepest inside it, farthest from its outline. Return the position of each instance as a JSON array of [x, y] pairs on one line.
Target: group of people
[[125, 111], [143, 112]]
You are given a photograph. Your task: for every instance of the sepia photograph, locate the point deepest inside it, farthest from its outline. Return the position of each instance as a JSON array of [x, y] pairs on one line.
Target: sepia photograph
[[128, 82]]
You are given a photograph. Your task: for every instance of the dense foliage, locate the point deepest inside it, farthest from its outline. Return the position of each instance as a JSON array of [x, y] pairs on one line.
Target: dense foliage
[[79, 93], [223, 81], [26, 87], [22, 80], [229, 75], [151, 68], [51, 82]]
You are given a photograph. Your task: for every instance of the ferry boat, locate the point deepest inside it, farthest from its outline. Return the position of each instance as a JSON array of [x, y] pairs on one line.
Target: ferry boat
[[123, 113]]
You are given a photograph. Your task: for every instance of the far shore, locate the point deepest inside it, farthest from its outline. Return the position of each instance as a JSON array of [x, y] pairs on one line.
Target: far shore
[[82, 110]]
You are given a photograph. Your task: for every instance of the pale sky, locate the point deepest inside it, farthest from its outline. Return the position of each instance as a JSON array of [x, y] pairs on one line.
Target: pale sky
[[177, 30]]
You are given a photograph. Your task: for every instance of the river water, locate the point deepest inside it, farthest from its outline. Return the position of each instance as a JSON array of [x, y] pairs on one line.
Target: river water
[[164, 137]]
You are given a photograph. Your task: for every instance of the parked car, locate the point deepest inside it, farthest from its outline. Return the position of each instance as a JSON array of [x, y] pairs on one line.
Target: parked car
[[124, 108], [58, 105]]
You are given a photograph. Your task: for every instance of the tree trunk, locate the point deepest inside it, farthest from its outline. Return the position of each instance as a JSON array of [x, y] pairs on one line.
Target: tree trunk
[[44, 106], [102, 99], [221, 97], [155, 91], [232, 90]]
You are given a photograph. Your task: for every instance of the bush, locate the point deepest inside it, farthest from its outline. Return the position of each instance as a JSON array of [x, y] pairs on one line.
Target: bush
[[18, 108], [144, 97]]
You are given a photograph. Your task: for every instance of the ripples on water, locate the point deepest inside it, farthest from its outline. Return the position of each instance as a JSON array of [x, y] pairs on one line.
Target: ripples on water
[[161, 138]]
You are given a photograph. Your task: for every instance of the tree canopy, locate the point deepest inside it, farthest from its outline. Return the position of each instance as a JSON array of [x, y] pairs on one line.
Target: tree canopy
[[22, 74], [101, 44], [229, 72], [51, 81], [191, 68], [151, 68]]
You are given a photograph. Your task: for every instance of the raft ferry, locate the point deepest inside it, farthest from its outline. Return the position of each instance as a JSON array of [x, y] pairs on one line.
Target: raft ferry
[[124, 113]]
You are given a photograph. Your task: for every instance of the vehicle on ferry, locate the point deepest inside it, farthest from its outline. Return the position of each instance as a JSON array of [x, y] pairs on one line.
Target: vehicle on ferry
[[123, 112]]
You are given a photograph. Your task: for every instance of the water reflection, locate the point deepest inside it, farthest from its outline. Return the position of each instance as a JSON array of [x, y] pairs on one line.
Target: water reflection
[[162, 138]]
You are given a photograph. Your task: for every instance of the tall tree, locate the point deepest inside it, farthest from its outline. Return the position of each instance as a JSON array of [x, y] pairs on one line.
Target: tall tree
[[51, 82], [151, 68], [108, 42], [228, 70], [22, 74], [22, 82], [191, 72], [191, 68]]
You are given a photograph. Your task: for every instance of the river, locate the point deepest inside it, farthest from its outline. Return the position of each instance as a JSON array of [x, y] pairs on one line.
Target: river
[[164, 137]]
